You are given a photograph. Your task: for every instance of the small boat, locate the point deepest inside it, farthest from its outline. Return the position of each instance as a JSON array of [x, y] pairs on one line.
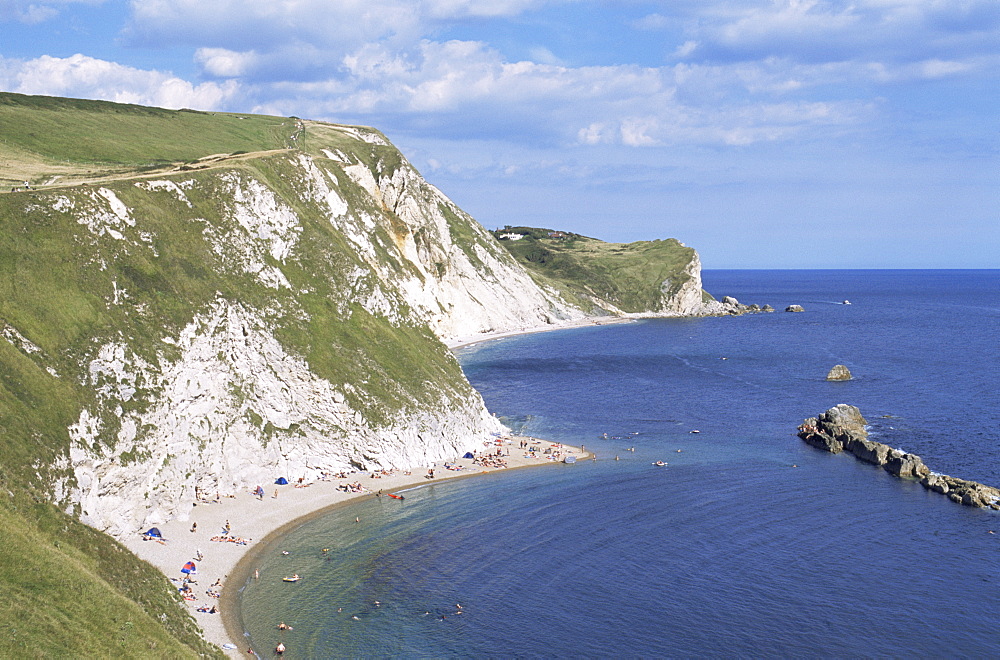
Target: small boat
[[659, 464], [396, 497], [294, 578]]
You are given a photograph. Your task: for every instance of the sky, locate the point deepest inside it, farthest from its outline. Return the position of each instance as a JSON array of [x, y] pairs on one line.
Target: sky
[[763, 133]]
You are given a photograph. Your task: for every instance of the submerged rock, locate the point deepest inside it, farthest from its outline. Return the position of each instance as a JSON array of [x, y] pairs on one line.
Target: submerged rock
[[842, 428], [839, 372]]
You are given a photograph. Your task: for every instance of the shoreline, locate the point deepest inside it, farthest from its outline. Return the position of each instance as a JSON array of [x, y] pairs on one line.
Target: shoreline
[[264, 521], [476, 338]]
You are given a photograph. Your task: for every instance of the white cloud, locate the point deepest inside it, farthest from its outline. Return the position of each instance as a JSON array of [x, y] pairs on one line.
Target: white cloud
[[651, 22], [34, 11], [85, 77], [823, 30], [338, 27], [224, 63], [747, 72], [481, 8]]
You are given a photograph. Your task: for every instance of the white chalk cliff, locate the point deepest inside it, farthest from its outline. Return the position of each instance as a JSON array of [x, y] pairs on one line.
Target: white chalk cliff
[[327, 266]]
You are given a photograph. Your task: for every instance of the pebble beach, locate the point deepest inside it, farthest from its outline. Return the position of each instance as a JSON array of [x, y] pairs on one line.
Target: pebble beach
[[253, 522]]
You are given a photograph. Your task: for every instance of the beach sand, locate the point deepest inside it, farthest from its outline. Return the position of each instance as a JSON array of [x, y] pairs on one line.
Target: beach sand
[[263, 521], [468, 340]]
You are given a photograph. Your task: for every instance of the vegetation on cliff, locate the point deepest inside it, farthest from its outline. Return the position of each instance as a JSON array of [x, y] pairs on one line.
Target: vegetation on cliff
[[78, 272], [144, 226], [630, 277]]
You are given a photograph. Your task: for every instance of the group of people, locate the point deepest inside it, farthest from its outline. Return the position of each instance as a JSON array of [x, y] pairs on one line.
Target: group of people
[[351, 488], [226, 538]]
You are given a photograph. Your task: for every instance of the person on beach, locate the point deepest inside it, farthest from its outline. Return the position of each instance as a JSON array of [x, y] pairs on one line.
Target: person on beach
[[194, 527], [226, 528]]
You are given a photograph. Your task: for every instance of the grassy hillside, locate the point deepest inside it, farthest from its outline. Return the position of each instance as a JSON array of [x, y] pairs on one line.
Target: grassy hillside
[[69, 591], [629, 276], [45, 137], [65, 289]]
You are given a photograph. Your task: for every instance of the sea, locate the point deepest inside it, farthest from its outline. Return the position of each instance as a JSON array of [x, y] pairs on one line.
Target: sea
[[747, 543]]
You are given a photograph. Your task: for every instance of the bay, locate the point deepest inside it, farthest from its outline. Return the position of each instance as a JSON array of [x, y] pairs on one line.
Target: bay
[[747, 543]]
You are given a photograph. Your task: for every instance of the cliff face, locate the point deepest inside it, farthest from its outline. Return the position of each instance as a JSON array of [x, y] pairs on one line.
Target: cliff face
[[274, 314]]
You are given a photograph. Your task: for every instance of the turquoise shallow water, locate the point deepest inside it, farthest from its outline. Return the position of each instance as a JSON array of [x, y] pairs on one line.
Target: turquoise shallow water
[[727, 551]]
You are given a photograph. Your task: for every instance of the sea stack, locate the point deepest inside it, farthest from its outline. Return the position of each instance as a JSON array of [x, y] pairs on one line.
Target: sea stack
[[839, 372]]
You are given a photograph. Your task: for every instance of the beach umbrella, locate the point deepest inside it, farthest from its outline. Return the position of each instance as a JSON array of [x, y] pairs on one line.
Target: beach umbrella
[[189, 568]]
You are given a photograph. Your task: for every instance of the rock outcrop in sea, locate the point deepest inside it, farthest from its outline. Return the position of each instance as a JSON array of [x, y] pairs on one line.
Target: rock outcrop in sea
[[843, 428], [795, 308], [733, 307], [839, 372]]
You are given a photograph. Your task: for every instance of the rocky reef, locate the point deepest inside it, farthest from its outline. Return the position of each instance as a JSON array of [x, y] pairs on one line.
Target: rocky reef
[[733, 307], [842, 428]]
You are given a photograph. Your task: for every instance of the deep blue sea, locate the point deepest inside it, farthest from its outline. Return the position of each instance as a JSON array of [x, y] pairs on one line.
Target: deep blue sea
[[749, 543]]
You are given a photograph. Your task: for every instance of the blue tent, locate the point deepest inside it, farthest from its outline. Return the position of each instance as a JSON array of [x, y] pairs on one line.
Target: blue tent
[[281, 481], [155, 532], [469, 454]]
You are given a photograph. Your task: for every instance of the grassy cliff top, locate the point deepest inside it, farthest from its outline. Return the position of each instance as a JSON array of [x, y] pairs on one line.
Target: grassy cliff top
[[44, 137], [629, 276], [56, 141]]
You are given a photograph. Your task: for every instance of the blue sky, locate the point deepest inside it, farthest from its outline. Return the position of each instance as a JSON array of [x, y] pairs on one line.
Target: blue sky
[[764, 133]]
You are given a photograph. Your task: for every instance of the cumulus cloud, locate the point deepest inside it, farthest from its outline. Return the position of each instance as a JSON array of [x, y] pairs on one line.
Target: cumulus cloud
[[732, 72], [85, 77], [225, 63]]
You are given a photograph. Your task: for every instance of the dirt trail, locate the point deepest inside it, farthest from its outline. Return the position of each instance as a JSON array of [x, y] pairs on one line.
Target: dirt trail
[[68, 179]]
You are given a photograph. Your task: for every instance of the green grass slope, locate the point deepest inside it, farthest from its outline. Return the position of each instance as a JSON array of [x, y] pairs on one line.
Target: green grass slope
[[70, 591], [43, 137], [628, 276]]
